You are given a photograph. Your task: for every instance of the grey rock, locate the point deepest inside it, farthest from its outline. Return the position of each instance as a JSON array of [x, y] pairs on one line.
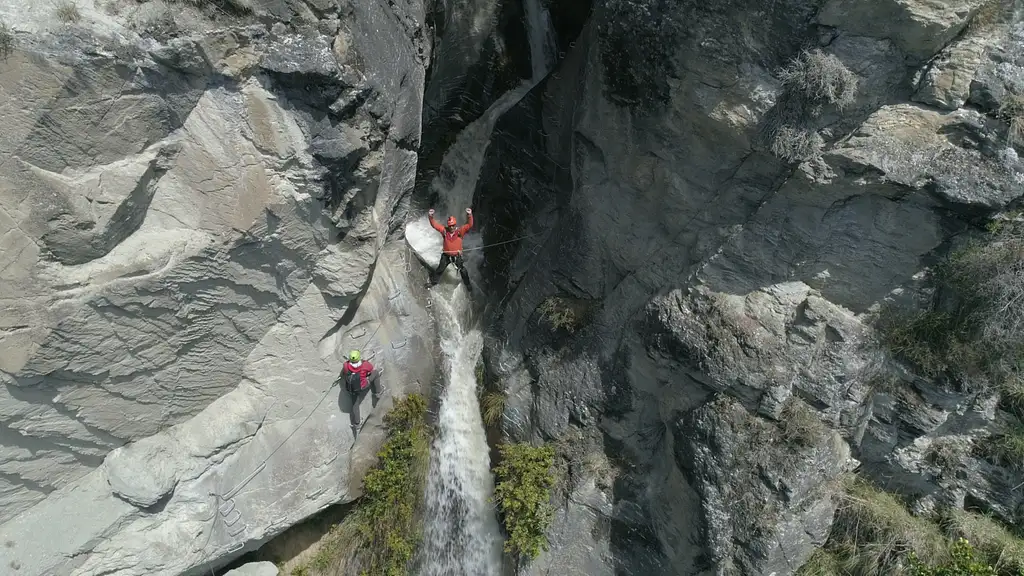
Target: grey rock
[[1001, 73], [947, 80], [177, 286], [255, 569], [919, 28]]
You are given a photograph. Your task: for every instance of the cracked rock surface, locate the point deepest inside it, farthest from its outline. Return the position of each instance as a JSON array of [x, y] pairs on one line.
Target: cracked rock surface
[[186, 226]]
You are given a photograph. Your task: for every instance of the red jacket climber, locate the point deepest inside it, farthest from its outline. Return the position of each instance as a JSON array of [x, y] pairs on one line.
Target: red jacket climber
[[359, 374], [451, 248]]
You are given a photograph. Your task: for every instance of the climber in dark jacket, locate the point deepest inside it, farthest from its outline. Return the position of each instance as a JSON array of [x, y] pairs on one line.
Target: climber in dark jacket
[[451, 249], [358, 375]]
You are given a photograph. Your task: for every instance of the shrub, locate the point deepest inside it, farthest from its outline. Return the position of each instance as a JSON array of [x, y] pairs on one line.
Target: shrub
[[67, 12], [1012, 110], [946, 454], [522, 493], [978, 333], [962, 561], [800, 425], [796, 144], [381, 534], [821, 78], [492, 406], [564, 313], [6, 40]]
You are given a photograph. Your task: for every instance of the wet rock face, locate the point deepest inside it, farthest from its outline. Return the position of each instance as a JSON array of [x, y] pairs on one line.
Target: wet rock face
[[721, 271], [192, 201]]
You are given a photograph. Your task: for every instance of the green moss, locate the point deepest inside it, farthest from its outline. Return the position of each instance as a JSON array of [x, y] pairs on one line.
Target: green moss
[[522, 493], [381, 534]]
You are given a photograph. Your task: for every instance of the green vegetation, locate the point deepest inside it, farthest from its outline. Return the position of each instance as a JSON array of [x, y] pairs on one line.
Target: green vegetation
[[978, 335], [567, 314], [492, 406], [380, 535], [875, 535], [963, 561], [67, 11], [821, 78], [1006, 448], [6, 40], [524, 479], [1012, 110]]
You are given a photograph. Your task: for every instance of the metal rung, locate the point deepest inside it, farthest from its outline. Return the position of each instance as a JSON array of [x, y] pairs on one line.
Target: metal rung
[[394, 295], [235, 547], [397, 345], [353, 334], [239, 528], [227, 507], [233, 517]]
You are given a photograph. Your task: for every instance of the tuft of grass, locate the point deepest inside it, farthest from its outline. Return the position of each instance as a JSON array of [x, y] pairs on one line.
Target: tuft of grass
[[946, 454], [381, 534], [564, 313], [995, 544], [821, 78], [873, 532], [821, 563], [67, 11], [492, 406], [6, 40], [1006, 449], [1012, 111], [524, 478], [800, 425]]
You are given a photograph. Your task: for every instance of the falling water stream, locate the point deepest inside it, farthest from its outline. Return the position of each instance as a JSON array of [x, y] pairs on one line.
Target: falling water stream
[[461, 532]]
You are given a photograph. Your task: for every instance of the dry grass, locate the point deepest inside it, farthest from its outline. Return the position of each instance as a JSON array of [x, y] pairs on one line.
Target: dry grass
[[946, 454], [67, 11], [821, 78], [995, 544], [1006, 448], [1012, 110], [821, 563], [797, 144], [873, 532], [800, 424]]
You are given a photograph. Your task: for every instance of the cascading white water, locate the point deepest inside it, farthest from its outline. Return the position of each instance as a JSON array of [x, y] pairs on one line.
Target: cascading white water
[[461, 536], [461, 532], [541, 33]]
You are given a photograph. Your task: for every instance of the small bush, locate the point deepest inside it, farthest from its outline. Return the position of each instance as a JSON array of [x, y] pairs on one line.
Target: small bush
[[381, 534], [945, 454], [492, 406], [522, 492], [564, 313], [6, 40], [1012, 110], [963, 561], [800, 425], [821, 78], [67, 12], [796, 144]]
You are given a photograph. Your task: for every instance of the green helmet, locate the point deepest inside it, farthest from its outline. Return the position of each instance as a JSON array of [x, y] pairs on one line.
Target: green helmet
[[354, 356]]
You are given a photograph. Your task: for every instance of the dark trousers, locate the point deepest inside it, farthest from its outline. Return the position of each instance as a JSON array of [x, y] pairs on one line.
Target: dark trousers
[[447, 259], [358, 396]]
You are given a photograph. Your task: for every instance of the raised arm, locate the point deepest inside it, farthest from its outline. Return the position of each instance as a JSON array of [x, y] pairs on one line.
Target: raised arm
[[433, 223], [469, 221]]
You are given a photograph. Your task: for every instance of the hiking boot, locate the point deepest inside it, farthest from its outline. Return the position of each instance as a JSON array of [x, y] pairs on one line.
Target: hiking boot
[[380, 394], [355, 431]]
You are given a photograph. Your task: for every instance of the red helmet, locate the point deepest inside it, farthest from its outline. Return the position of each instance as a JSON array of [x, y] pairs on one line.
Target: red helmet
[[451, 221]]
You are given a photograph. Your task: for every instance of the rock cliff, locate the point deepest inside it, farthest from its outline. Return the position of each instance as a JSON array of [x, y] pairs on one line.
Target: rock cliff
[[714, 201], [196, 201]]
